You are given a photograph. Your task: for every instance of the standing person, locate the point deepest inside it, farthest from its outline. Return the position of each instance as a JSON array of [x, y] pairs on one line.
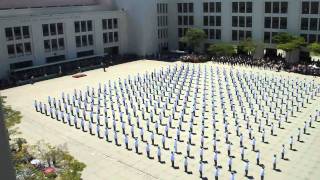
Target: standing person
[[136, 145], [230, 163], [126, 141], [216, 173], [258, 158], [201, 169], [246, 168], [283, 151], [215, 158], [291, 142], [232, 176], [262, 173], [274, 162], [172, 159], [242, 153], [159, 154], [148, 150], [185, 164], [253, 144]]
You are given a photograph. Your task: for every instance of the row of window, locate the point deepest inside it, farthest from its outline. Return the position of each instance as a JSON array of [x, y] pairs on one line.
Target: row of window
[[84, 40], [242, 7], [110, 37], [311, 24], [51, 45], [213, 34], [82, 26], [212, 7], [185, 7], [276, 7], [311, 38], [163, 46], [109, 24], [162, 21], [241, 21], [52, 29], [211, 20], [240, 35], [275, 22], [16, 33], [20, 49], [162, 8], [308, 7], [185, 20], [163, 33]]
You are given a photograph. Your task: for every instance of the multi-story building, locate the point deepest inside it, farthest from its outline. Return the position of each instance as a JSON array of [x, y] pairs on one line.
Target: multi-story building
[[34, 34]]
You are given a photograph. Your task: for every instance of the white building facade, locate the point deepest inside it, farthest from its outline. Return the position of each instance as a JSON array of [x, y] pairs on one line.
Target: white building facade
[[33, 36]]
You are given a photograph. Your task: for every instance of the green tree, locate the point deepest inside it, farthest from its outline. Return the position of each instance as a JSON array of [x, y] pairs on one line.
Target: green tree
[[247, 46], [314, 49], [193, 38], [288, 42], [221, 49], [73, 170]]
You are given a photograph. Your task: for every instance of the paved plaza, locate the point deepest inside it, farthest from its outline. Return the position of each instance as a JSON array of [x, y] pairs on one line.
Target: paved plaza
[[212, 118]]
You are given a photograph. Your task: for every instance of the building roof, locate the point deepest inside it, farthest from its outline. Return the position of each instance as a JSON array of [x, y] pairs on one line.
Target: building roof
[[10, 4]]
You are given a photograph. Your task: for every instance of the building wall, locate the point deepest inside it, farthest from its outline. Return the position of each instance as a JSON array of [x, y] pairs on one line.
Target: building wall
[[39, 54]]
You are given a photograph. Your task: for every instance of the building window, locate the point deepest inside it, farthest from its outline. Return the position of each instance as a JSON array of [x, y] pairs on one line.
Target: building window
[[185, 7], [211, 33], [211, 23], [234, 35], [248, 21], [109, 23], [275, 7], [190, 7], [267, 37], [17, 32], [47, 46], [212, 8], [9, 34], [205, 20], [312, 38], [11, 50], [218, 7], [305, 7], [242, 7], [235, 7], [234, 21], [218, 34], [283, 23], [89, 25], [314, 7], [104, 24], [313, 24], [304, 23], [84, 40], [27, 48], [179, 7], [19, 49], [267, 22], [267, 7], [53, 30], [54, 44], [116, 37], [275, 22], [115, 23], [110, 37], [191, 20], [25, 32], [60, 28], [248, 35], [241, 21], [61, 43], [83, 26], [218, 20], [249, 7], [77, 26], [241, 35], [205, 7], [284, 7], [78, 41], [90, 39]]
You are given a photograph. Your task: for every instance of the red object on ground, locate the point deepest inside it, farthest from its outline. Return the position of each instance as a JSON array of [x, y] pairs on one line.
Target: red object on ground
[[49, 170], [79, 75]]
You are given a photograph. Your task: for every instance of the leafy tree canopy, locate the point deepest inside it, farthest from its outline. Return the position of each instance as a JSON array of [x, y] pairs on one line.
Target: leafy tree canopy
[[288, 42], [314, 48], [247, 46], [221, 49], [194, 37]]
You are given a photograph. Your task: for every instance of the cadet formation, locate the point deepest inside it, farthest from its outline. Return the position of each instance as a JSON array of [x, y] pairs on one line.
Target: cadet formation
[[189, 113]]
